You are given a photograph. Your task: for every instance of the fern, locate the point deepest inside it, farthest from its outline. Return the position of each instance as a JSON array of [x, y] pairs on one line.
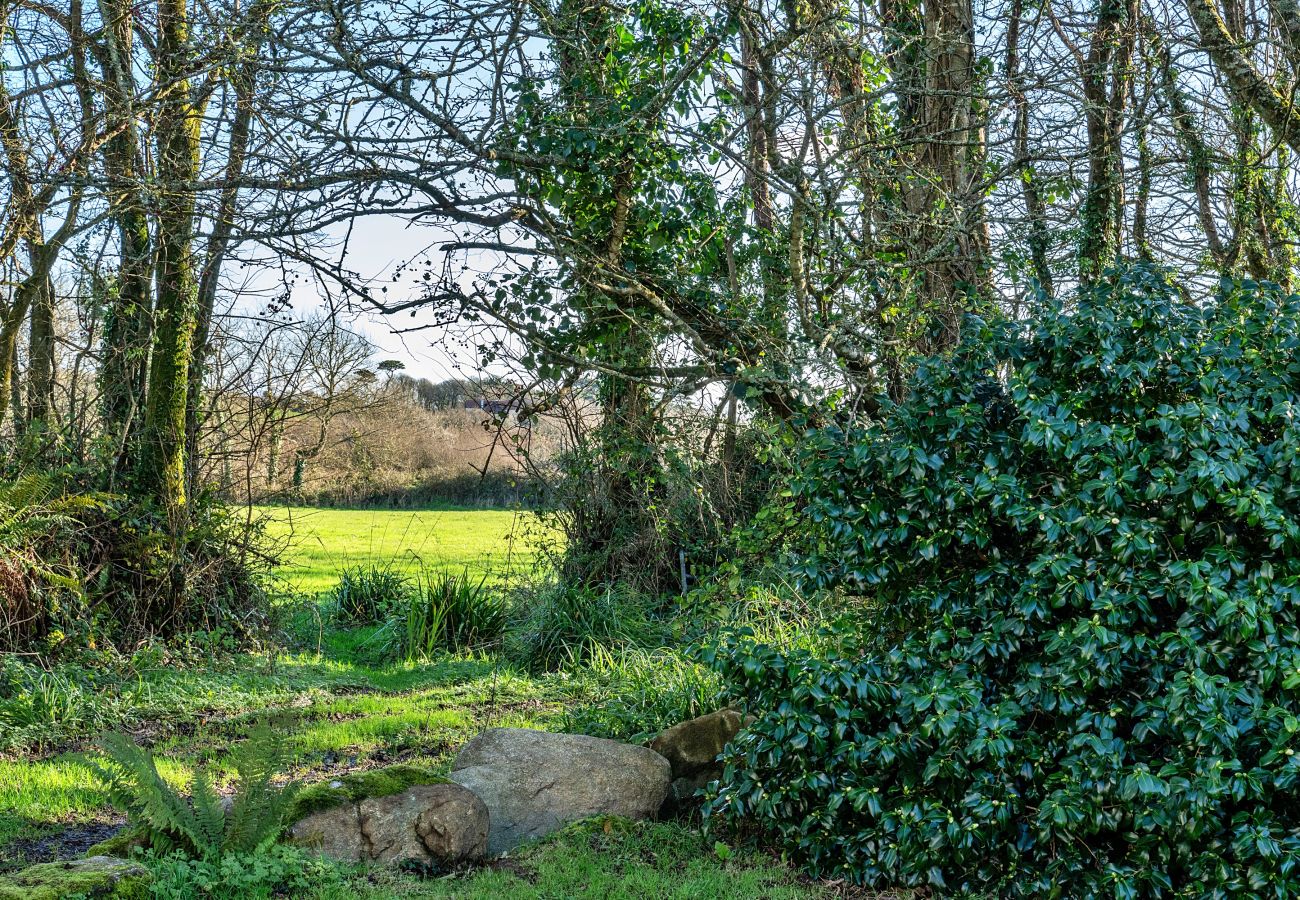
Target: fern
[[35, 507], [257, 815], [132, 782], [30, 492], [201, 825]]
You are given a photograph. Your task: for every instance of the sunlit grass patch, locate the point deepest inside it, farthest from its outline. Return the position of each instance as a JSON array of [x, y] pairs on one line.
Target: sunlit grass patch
[[40, 793], [338, 715], [322, 542], [599, 859]]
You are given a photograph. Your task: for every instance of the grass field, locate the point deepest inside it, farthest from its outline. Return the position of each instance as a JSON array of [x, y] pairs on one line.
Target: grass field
[[344, 717], [321, 542], [344, 709]]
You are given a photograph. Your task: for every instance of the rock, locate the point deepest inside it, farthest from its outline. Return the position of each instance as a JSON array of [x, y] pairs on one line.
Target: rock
[[440, 824], [681, 793], [535, 782], [693, 747], [123, 844], [357, 786], [455, 830], [335, 833], [99, 877]]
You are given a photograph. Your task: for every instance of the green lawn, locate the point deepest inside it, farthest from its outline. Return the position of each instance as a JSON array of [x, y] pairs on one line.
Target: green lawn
[[344, 709], [344, 717], [321, 542]]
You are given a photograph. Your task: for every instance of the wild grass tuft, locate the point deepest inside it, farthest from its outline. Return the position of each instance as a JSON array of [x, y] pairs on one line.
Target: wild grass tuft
[[565, 627], [638, 693], [366, 594], [447, 611]]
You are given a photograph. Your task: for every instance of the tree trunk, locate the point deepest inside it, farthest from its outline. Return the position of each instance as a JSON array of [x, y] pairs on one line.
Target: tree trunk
[[942, 230], [1035, 208], [40, 354], [1107, 81], [1245, 84], [128, 304], [162, 457], [244, 80]]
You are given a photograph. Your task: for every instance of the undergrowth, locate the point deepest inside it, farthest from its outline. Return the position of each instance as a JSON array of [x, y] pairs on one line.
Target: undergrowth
[[86, 569], [203, 825], [635, 694]]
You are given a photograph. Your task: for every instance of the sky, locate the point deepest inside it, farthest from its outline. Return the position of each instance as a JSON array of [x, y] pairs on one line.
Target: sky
[[378, 245]]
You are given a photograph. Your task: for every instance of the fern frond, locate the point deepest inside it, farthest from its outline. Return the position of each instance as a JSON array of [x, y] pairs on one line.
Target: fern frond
[[257, 816], [200, 825], [209, 814], [132, 782], [28, 491]]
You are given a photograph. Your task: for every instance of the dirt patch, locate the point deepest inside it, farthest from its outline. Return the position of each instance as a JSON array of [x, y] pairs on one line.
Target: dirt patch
[[70, 842], [334, 765], [512, 867]]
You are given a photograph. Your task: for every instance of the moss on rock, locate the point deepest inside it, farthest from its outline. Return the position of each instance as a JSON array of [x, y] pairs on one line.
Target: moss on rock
[[357, 786], [123, 844], [99, 877]]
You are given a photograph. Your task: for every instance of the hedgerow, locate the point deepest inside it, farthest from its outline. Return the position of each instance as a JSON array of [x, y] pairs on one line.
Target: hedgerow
[[86, 569], [1083, 540]]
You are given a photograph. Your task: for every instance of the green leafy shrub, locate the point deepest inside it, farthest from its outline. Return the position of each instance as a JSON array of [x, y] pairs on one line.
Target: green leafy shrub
[[366, 594], [86, 569], [202, 826], [277, 870], [1083, 538], [447, 611], [564, 624]]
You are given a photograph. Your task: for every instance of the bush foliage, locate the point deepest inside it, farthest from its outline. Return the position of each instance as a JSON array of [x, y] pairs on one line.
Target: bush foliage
[[1084, 537], [86, 569]]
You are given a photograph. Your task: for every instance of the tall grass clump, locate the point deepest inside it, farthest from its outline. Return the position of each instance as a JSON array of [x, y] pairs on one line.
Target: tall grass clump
[[449, 611], [635, 693], [366, 594], [565, 625]]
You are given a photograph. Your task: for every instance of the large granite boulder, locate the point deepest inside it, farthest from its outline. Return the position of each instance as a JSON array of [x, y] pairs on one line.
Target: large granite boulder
[[440, 824], [335, 833], [535, 782], [693, 748]]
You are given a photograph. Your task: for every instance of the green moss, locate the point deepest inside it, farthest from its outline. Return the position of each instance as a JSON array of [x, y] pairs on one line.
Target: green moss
[[97, 877], [358, 786], [122, 844]]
